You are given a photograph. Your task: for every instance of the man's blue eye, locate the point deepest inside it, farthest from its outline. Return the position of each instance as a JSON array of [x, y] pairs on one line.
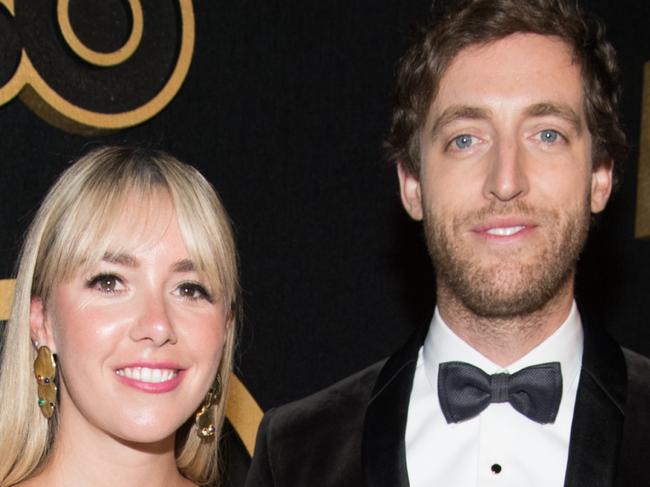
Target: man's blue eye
[[463, 141], [549, 136]]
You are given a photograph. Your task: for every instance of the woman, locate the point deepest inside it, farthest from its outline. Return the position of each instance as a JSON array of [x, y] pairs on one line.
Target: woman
[[117, 354]]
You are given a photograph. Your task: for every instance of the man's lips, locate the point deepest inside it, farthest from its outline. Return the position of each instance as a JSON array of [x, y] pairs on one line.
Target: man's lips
[[504, 229]]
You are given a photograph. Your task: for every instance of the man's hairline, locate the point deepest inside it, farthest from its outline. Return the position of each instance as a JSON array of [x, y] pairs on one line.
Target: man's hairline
[[415, 169]]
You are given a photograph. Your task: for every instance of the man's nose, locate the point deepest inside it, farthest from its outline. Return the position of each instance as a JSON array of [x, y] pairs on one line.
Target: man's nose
[[154, 322], [506, 177]]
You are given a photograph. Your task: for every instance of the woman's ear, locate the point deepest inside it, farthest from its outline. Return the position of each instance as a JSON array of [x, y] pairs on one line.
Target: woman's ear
[[39, 325]]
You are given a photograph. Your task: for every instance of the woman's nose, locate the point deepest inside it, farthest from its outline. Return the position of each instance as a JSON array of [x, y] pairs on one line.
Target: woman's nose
[[154, 322]]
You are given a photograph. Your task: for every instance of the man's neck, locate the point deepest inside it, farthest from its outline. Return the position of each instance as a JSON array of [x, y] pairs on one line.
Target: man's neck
[[505, 340]]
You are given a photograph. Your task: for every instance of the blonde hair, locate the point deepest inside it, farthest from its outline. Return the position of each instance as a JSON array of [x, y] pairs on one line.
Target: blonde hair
[[73, 227]]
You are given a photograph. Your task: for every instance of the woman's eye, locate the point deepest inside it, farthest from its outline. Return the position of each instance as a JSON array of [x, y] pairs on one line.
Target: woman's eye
[[464, 141], [549, 136], [106, 283], [193, 291]]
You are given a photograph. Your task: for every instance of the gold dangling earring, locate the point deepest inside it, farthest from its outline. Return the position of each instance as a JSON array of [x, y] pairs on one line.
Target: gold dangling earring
[[45, 373], [204, 419]]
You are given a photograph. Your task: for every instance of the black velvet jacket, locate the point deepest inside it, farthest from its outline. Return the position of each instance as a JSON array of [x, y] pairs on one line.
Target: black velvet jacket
[[352, 433]]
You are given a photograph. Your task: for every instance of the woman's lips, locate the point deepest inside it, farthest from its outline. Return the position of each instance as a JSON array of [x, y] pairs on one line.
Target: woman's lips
[[151, 378]]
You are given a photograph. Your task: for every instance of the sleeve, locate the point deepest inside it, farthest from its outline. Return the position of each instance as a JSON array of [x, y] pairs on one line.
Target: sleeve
[[260, 473], [635, 445]]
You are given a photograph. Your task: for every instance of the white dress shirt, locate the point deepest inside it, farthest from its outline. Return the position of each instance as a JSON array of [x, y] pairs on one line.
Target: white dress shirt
[[500, 447]]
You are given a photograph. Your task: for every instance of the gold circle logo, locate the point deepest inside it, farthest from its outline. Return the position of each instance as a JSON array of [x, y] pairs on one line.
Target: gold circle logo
[[33, 89]]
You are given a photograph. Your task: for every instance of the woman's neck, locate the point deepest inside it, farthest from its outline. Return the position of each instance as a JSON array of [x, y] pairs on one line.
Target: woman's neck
[[85, 456]]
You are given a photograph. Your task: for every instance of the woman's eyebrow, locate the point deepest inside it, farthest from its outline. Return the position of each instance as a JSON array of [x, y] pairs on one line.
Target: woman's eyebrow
[[185, 265], [121, 259]]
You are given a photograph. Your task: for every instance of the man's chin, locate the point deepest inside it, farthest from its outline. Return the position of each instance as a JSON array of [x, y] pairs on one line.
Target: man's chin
[[499, 294], [503, 308]]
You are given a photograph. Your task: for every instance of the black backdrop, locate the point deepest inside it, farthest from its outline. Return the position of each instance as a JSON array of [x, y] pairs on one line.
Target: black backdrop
[[284, 109]]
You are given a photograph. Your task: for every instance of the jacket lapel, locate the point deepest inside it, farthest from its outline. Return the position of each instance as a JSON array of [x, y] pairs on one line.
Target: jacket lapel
[[383, 449], [598, 416]]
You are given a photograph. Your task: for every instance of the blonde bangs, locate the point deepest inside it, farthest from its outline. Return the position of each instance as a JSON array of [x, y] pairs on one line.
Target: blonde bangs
[[93, 208], [207, 234], [80, 217]]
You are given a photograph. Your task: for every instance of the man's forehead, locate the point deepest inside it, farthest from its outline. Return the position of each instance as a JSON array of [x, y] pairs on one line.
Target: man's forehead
[[519, 70], [515, 41]]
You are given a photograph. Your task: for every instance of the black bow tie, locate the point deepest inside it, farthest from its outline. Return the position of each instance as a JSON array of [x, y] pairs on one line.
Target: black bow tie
[[464, 391]]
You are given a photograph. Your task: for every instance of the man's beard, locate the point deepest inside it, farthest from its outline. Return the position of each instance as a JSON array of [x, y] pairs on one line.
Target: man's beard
[[507, 283]]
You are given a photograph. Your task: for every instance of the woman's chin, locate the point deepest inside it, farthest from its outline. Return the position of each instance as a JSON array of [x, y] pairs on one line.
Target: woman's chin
[[146, 440], [147, 430]]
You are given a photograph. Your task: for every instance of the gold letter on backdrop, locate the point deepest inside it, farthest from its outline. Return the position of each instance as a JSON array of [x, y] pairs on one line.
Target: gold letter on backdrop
[[642, 229], [35, 91]]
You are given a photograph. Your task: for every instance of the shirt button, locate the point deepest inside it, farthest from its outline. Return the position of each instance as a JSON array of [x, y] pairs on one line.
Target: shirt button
[[496, 468]]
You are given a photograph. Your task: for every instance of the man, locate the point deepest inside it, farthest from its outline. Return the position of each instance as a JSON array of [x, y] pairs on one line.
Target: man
[[505, 135]]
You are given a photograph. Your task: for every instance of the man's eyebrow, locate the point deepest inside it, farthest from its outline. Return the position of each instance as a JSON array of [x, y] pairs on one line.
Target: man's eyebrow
[[558, 110], [121, 259], [457, 112], [185, 265]]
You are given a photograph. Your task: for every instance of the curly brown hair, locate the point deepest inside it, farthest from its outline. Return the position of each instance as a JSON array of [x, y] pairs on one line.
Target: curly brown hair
[[457, 24]]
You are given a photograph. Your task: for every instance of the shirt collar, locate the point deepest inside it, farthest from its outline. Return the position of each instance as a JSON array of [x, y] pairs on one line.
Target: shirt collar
[[565, 345]]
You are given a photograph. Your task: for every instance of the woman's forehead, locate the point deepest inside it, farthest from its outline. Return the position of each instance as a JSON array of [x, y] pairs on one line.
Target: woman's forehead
[[141, 220], [135, 222]]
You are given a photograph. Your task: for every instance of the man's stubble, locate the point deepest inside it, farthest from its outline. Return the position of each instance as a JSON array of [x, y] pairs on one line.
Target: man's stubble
[[506, 284]]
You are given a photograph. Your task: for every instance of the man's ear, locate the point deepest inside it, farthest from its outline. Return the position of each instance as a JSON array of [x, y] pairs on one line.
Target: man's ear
[[410, 192], [39, 324], [601, 186]]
